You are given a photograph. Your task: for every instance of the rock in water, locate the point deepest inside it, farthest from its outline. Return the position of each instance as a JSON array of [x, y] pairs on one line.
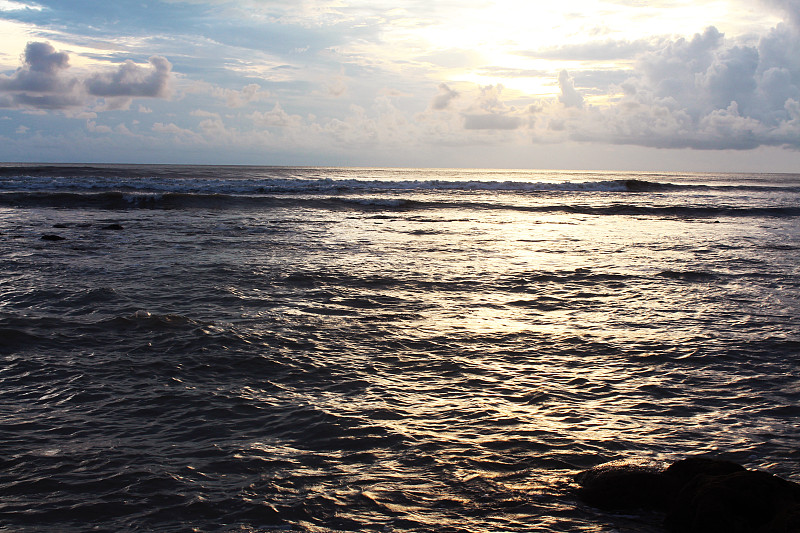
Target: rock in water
[[686, 470], [742, 502], [619, 485], [51, 237], [698, 494]]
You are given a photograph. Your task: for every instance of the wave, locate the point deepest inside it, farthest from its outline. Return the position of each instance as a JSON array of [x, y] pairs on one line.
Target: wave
[[312, 185], [295, 180], [117, 200]]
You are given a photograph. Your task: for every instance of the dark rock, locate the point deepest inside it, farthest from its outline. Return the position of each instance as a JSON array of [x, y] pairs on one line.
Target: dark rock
[[50, 237], [619, 486], [742, 502], [698, 495], [786, 521], [686, 470], [115, 227], [60, 226]]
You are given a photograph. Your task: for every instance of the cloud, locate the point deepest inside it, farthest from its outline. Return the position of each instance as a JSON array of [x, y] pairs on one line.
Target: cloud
[[336, 86], [490, 99], [505, 72], [131, 80], [204, 113], [178, 134], [92, 126], [791, 8], [594, 50], [233, 98], [443, 99], [276, 118], [454, 58], [491, 122], [490, 112], [481, 110], [702, 93], [42, 82], [707, 91], [11, 5], [671, 69], [570, 97], [730, 78], [43, 58]]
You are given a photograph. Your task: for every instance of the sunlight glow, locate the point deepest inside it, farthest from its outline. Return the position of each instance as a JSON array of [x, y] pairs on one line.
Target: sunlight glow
[[507, 35], [13, 38]]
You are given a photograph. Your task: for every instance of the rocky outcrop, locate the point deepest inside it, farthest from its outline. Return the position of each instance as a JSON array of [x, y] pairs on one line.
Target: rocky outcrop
[[697, 495]]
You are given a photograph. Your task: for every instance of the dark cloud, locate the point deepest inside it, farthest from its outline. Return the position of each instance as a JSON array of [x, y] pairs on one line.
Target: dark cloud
[[131, 80], [41, 57], [40, 70], [443, 99], [42, 82]]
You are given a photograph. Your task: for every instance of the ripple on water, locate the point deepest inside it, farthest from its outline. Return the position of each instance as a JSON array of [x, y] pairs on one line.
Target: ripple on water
[[321, 368]]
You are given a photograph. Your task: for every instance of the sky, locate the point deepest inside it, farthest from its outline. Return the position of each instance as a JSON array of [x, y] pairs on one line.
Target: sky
[[684, 85]]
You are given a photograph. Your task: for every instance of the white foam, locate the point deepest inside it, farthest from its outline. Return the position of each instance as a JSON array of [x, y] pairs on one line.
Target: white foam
[[251, 186]]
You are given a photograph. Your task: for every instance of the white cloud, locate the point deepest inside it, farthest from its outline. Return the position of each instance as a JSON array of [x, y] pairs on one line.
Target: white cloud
[[92, 126], [701, 93], [276, 118], [249, 93], [10, 5], [336, 86], [178, 134], [203, 113], [123, 129], [791, 8], [338, 70]]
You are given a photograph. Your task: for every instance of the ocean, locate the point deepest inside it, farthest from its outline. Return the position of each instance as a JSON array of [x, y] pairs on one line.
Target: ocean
[[205, 348]]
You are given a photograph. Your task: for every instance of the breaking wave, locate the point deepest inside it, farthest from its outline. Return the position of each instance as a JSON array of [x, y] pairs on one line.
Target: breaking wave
[[116, 200]]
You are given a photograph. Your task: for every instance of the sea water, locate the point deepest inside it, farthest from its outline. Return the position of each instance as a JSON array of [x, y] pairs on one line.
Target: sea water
[[333, 349]]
